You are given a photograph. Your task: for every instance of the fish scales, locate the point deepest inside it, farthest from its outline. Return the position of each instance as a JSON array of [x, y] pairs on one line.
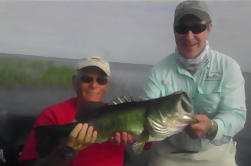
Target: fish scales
[[130, 117]]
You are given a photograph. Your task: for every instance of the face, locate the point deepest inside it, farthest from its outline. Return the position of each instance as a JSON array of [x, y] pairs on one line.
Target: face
[[89, 86], [189, 44]]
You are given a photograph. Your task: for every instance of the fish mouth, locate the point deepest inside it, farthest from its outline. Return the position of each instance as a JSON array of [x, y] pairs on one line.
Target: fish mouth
[[189, 119], [186, 111]]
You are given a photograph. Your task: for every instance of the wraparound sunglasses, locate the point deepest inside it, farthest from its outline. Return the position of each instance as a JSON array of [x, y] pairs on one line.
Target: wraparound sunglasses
[[99, 80], [195, 28]]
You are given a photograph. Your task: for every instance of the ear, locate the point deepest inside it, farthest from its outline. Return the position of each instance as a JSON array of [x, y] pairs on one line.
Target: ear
[[108, 85], [210, 27]]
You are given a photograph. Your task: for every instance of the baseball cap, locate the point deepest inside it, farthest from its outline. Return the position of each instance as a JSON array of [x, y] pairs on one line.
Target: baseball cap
[[94, 61], [196, 8]]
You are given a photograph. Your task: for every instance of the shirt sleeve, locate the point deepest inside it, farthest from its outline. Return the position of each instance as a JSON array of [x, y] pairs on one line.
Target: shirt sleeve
[[152, 86], [29, 150], [232, 111]]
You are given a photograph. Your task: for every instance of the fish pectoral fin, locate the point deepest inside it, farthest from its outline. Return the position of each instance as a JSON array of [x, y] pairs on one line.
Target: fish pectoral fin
[[137, 147]]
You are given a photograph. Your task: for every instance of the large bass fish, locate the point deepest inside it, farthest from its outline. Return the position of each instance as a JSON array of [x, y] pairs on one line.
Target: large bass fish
[[150, 120]]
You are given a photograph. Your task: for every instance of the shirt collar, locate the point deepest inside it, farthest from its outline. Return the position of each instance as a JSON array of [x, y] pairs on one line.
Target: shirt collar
[[192, 65]]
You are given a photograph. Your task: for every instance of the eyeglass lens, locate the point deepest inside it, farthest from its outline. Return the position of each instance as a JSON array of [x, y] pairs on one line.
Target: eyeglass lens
[[99, 80], [195, 28]]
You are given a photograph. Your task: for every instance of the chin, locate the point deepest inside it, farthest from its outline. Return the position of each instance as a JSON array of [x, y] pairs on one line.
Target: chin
[[94, 99]]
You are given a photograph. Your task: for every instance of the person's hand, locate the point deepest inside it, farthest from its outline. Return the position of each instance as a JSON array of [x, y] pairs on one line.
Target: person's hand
[[81, 136], [199, 129], [123, 137]]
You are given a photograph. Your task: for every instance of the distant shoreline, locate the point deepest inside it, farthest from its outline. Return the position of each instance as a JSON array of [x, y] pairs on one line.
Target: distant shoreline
[[72, 62], [61, 61]]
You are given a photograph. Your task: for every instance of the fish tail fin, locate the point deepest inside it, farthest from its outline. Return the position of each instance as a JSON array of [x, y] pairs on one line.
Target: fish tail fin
[[45, 142], [48, 136]]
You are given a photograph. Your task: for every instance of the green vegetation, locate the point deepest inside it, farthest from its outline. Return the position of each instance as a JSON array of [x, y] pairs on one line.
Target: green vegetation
[[22, 72]]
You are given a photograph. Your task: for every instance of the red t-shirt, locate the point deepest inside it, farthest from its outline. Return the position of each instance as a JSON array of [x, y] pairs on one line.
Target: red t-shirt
[[103, 154]]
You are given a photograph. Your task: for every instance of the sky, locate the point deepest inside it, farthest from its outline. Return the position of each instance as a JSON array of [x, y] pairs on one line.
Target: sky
[[138, 32]]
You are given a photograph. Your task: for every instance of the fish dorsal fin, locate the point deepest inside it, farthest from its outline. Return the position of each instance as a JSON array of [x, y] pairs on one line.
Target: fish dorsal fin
[[88, 108], [122, 99]]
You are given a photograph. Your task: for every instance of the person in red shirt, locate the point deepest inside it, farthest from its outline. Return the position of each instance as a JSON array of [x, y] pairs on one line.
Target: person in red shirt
[[90, 83]]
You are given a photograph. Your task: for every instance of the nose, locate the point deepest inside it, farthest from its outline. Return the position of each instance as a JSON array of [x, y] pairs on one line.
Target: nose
[[189, 35], [94, 83]]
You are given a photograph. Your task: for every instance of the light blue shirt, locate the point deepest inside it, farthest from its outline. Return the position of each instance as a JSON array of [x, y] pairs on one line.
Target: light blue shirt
[[216, 90]]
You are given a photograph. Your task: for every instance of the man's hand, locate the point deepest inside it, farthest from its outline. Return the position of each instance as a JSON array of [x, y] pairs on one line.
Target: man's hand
[[81, 136], [123, 137], [201, 128]]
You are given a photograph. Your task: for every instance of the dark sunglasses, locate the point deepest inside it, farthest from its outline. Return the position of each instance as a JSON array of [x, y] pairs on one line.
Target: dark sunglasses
[[195, 28], [99, 80]]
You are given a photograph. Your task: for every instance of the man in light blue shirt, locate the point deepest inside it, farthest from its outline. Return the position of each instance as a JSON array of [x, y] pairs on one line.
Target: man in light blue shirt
[[215, 85]]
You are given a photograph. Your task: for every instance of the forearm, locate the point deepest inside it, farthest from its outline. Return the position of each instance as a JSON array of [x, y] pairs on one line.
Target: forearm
[[231, 114], [229, 124], [60, 157]]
